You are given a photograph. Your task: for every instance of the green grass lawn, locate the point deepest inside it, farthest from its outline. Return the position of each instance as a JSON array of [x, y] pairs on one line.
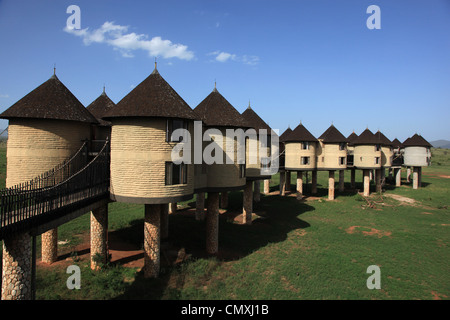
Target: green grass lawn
[[310, 249]]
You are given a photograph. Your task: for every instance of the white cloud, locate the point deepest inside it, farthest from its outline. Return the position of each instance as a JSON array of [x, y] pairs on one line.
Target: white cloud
[[117, 37], [4, 95], [222, 56]]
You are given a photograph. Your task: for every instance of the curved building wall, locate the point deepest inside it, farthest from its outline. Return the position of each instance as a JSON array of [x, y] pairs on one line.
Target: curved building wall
[[139, 153], [417, 156], [37, 145], [225, 176], [329, 156], [365, 157], [295, 156]]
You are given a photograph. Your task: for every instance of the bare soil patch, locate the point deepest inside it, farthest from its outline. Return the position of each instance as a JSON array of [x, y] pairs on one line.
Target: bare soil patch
[[372, 232], [401, 198]]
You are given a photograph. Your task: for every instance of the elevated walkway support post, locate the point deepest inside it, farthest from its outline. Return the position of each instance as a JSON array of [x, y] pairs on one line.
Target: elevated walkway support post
[[247, 209], [200, 206], [282, 183], [266, 186], [299, 185], [331, 185], [212, 223], [341, 180], [257, 191], [353, 178], [17, 267], [152, 240], [366, 182], [99, 237], [314, 182], [398, 177], [164, 221], [49, 246], [224, 200]]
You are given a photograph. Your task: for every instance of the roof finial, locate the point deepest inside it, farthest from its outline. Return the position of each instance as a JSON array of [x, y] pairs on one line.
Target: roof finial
[[103, 93], [215, 86], [54, 69], [249, 104], [156, 63]]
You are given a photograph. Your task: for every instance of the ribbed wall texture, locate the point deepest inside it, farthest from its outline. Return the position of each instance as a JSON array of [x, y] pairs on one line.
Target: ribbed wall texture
[[294, 154], [417, 156], [226, 175], [386, 156], [328, 156], [364, 157], [36, 146], [138, 154]]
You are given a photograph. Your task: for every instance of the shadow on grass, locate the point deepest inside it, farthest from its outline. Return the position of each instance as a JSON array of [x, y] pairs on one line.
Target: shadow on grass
[[274, 218]]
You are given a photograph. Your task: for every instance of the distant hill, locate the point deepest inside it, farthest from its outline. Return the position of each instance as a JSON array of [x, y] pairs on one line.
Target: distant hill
[[443, 144]]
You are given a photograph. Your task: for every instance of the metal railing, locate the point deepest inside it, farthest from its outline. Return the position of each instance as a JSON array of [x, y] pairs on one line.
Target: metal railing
[[55, 193]]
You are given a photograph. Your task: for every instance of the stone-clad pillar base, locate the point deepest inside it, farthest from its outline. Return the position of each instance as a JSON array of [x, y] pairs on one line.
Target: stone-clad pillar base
[[257, 191], [331, 185], [49, 246], [341, 180], [152, 240], [99, 237], [378, 180], [267, 186], [398, 177], [282, 183], [200, 206], [288, 181], [299, 184], [416, 173], [248, 203], [314, 182], [16, 275], [164, 221], [224, 200], [353, 178], [366, 177], [212, 223]]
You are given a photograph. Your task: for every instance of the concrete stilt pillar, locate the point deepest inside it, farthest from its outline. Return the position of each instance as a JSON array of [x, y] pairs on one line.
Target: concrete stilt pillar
[[267, 186], [49, 246], [383, 176], [371, 174], [247, 209], [398, 177], [331, 185], [415, 177], [353, 178], [299, 185], [408, 174], [341, 180], [200, 206], [164, 221], [173, 207], [378, 180], [420, 177], [282, 183], [152, 240], [99, 237], [212, 223], [224, 200], [366, 177], [314, 182], [288, 181], [16, 275], [257, 190]]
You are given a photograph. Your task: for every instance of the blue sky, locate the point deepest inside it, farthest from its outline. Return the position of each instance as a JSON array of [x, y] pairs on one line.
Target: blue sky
[[313, 61]]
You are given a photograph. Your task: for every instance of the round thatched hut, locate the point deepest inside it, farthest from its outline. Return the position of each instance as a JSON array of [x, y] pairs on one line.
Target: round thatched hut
[[223, 170], [143, 170], [367, 156], [46, 128], [417, 154], [99, 108], [300, 156], [332, 155]]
